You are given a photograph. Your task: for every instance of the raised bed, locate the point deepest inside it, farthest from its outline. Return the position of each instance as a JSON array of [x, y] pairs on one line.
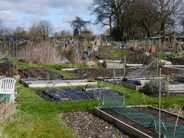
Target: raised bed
[[40, 73], [133, 128], [56, 83], [94, 73]]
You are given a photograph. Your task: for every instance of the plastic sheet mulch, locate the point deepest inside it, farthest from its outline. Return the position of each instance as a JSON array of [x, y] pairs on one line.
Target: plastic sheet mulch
[[61, 95]]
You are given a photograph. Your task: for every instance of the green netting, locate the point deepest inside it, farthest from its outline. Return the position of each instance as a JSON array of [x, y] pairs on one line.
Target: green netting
[[111, 102], [118, 105], [167, 129]]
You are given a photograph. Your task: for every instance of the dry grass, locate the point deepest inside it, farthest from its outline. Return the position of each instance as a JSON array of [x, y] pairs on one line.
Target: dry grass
[[7, 111], [42, 53]]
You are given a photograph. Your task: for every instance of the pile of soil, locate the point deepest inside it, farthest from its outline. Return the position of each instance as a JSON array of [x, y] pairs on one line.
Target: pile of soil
[[87, 125], [40, 73], [93, 73], [165, 117]]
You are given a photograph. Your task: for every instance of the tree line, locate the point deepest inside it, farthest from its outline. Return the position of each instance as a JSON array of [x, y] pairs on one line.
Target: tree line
[[127, 18]]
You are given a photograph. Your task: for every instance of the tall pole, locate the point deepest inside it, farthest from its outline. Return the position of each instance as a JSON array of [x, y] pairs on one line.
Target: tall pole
[[13, 55], [77, 51], [16, 57], [124, 65], [113, 68], [159, 88], [160, 104], [158, 58], [9, 49]]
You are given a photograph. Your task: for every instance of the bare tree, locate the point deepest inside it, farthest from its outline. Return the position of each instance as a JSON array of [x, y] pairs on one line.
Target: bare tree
[[111, 13], [44, 28], [63, 33], [33, 30], [1, 27], [145, 15], [8, 32], [132, 16], [168, 9], [56, 34], [103, 9], [18, 32], [182, 23], [79, 23]]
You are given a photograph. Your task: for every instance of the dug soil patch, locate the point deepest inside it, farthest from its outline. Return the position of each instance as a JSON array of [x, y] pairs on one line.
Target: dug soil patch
[[93, 73], [44, 96], [39, 73], [87, 125]]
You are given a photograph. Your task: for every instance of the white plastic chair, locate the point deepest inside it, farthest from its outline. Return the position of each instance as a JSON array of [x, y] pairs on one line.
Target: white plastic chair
[[7, 86]]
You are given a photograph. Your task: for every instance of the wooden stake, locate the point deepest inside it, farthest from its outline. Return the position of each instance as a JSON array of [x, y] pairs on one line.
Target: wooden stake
[[167, 85], [177, 118]]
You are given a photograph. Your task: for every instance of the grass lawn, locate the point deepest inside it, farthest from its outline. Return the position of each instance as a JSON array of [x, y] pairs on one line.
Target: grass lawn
[[39, 118]]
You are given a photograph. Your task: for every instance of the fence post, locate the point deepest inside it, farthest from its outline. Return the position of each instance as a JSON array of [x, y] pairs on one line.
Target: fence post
[[167, 85], [13, 55], [124, 66], [17, 56]]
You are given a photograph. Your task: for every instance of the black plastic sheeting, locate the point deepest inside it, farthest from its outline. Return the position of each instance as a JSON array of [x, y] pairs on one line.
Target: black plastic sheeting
[[79, 94], [132, 82], [178, 80], [172, 81]]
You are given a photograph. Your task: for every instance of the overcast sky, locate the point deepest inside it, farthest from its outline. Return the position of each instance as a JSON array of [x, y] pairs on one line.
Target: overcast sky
[[22, 13]]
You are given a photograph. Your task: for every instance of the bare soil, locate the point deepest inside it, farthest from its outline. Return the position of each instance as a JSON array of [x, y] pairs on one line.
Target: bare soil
[[177, 61], [44, 96], [40, 73], [87, 125], [4, 68], [93, 73]]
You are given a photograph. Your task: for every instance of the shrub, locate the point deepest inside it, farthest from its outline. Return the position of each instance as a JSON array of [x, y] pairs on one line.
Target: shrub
[[163, 56], [152, 87], [42, 53], [21, 60]]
